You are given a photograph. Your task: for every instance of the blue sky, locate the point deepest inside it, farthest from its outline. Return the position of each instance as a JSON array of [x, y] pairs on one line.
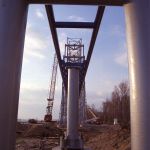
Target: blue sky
[[108, 64]]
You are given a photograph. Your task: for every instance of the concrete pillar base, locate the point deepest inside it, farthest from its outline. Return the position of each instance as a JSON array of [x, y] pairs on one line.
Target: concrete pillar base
[[59, 148], [75, 144], [68, 144]]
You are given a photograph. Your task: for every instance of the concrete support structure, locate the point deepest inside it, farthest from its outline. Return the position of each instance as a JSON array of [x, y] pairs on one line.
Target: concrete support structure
[[138, 32], [63, 109], [13, 16], [82, 106], [73, 139]]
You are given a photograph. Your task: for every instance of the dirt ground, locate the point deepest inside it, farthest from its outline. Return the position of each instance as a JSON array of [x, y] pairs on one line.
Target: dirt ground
[[37, 136], [107, 137], [96, 137]]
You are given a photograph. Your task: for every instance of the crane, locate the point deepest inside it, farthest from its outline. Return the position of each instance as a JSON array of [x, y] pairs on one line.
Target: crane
[[50, 99]]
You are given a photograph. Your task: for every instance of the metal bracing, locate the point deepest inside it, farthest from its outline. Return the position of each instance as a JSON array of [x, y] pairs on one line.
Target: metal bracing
[[82, 105], [92, 25], [51, 19], [74, 25], [63, 109], [137, 22], [97, 23], [80, 2]]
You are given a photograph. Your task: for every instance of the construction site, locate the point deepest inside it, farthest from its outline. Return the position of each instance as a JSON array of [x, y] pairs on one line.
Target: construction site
[[119, 121], [48, 134]]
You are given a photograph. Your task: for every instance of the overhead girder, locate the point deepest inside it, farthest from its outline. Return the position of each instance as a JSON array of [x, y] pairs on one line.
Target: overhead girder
[[97, 23], [51, 19], [80, 2], [94, 25], [74, 25]]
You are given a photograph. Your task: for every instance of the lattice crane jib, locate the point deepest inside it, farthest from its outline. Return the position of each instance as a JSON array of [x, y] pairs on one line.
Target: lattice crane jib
[[50, 99]]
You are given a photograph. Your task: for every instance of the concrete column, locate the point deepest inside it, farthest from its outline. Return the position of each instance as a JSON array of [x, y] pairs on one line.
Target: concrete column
[[82, 106], [62, 108], [65, 108], [138, 39], [13, 16], [73, 108]]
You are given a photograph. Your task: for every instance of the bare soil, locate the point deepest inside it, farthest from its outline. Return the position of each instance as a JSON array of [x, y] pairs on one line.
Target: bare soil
[[107, 137], [96, 137]]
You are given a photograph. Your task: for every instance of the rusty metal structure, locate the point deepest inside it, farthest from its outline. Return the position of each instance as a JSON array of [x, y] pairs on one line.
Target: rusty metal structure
[[50, 99], [63, 109], [82, 106], [11, 54]]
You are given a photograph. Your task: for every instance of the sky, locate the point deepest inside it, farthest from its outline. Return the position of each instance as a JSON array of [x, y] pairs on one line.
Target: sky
[[108, 66]]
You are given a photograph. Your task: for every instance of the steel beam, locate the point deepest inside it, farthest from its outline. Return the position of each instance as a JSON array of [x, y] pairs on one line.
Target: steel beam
[[51, 19], [98, 20], [13, 18], [81, 2], [63, 109], [74, 25], [138, 27]]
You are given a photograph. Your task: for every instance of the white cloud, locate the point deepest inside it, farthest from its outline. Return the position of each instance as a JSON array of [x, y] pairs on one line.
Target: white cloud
[[30, 87], [121, 59], [100, 92], [76, 18], [33, 99], [35, 44], [63, 37], [117, 30], [39, 14]]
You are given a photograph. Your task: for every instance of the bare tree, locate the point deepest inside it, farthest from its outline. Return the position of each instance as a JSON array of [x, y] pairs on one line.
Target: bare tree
[[118, 106]]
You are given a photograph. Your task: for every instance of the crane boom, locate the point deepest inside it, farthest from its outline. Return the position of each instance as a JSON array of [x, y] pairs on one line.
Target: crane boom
[[50, 99]]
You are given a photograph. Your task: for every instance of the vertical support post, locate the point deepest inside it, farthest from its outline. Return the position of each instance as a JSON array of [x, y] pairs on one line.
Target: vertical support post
[[13, 16], [82, 105], [63, 106], [138, 31], [72, 109]]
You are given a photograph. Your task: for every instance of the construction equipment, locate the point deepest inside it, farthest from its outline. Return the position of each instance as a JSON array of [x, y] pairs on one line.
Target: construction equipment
[[50, 99], [94, 119]]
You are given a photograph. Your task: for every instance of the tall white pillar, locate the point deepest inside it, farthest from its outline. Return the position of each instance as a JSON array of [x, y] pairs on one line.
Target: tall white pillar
[[138, 40], [73, 109], [13, 16]]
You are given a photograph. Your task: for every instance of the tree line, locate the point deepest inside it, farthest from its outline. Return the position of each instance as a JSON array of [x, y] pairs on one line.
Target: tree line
[[117, 106]]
